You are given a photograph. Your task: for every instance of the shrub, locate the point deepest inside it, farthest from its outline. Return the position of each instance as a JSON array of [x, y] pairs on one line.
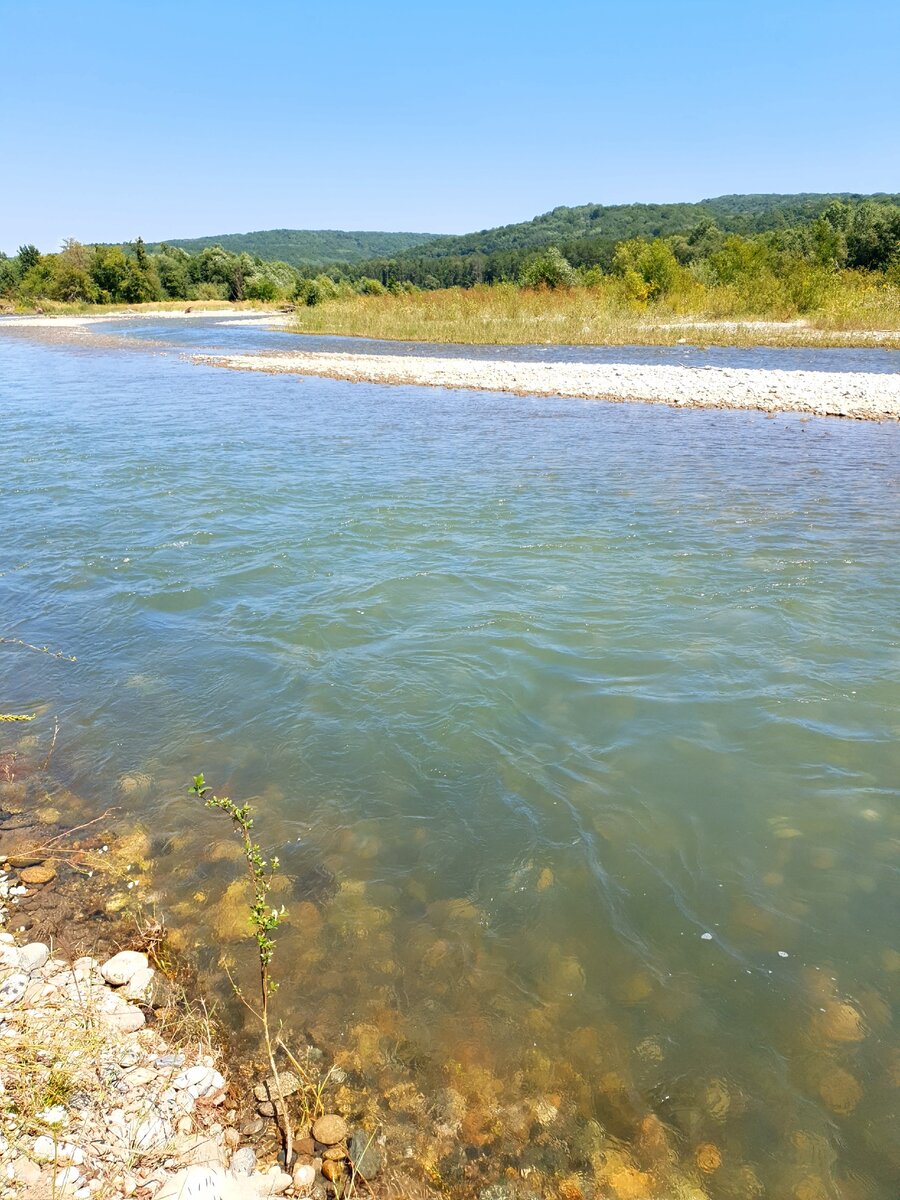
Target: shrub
[[548, 269]]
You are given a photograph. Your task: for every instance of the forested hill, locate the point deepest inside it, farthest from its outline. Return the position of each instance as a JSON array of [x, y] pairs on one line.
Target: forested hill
[[614, 223], [306, 246]]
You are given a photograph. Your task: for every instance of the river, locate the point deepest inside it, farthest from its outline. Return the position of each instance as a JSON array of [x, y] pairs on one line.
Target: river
[[574, 725]]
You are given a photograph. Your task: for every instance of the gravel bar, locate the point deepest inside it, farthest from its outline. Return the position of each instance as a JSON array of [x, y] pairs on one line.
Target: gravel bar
[[861, 395]]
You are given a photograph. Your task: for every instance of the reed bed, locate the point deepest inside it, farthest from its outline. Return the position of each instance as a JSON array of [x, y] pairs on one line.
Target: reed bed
[[852, 310]]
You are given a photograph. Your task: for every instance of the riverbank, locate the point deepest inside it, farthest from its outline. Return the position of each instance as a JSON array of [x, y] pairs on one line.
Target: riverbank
[[864, 396], [114, 1076], [74, 317], [866, 314]]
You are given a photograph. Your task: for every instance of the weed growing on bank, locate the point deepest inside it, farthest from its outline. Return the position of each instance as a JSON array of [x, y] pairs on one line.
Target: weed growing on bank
[[264, 920]]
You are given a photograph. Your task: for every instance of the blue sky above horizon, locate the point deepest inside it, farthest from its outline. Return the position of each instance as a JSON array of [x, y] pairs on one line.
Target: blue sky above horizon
[[193, 118]]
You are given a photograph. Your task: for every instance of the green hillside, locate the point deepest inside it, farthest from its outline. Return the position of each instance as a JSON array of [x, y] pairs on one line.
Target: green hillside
[[613, 223], [306, 246]]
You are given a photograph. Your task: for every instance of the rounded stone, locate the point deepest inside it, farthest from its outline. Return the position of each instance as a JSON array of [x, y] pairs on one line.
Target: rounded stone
[[243, 1162], [304, 1176], [33, 956], [24, 860], [44, 1149], [35, 876], [330, 1129], [26, 1171], [119, 969]]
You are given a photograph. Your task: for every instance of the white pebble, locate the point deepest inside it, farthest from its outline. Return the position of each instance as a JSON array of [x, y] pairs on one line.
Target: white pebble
[[44, 1148]]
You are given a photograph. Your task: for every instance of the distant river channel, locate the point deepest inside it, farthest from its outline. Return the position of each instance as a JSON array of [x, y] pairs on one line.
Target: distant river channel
[[574, 725]]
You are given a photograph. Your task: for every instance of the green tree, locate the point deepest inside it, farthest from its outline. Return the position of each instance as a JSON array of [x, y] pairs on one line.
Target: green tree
[[548, 269], [109, 270], [29, 257]]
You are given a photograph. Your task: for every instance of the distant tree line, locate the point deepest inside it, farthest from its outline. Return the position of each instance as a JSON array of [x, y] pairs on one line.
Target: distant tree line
[[843, 235], [132, 275], [860, 236]]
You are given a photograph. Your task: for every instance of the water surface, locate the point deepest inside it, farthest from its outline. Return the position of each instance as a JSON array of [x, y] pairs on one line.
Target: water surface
[[574, 725]]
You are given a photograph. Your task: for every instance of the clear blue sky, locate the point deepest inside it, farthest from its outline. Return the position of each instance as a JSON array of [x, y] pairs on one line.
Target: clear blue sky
[[179, 119]]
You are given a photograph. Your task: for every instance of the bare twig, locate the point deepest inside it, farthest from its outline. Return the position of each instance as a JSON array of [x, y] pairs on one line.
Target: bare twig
[[5, 641], [45, 764]]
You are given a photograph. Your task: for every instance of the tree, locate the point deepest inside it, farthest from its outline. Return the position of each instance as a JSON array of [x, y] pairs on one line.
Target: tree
[[548, 269], [29, 256]]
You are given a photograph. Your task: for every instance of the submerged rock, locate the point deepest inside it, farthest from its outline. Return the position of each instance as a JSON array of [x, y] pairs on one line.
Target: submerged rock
[[36, 876], [365, 1155], [269, 1089], [330, 1129]]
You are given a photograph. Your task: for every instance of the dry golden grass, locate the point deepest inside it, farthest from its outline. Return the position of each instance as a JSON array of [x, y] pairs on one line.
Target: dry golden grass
[[854, 311]]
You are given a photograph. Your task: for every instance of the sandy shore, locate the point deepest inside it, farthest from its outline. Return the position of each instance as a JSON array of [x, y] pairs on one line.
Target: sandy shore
[[865, 396], [258, 316]]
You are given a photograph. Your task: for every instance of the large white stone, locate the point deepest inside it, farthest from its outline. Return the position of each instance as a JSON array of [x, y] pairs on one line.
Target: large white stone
[[139, 985], [200, 1183], [33, 956], [120, 969], [126, 1020]]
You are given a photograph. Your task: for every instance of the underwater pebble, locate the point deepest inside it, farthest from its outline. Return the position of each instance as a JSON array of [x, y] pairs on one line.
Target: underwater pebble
[[330, 1129], [366, 1157], [269, 1089], [36, 876]]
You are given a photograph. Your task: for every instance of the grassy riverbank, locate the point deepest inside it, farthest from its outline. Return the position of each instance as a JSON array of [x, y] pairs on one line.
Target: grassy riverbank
[[856, 311]]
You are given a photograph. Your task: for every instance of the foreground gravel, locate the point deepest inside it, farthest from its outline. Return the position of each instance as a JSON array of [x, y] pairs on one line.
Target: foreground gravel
[[860, 395]]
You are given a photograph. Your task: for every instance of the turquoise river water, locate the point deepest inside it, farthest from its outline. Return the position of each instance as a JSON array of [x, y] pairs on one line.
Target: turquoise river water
[[574, 726]]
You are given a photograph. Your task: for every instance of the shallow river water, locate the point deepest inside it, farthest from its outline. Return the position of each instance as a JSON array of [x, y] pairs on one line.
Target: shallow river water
[[574, 726]]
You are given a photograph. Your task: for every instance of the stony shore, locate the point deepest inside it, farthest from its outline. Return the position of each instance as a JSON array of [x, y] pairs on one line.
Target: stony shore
[[864, 396], [99, 1098]]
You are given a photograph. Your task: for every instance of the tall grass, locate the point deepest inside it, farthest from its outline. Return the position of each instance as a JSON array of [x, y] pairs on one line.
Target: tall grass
[[817, 309]]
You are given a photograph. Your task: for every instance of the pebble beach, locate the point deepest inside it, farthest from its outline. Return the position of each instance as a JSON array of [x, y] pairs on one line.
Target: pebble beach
[[860, 395]]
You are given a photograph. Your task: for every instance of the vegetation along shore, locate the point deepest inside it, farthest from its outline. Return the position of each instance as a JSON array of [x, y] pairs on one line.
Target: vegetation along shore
[[782, 270]]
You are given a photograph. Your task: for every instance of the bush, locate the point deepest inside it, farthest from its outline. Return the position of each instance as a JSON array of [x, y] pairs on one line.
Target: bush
[[649, 269], [210, 291], [314, 291], [259, 287], [370, 287], [548, 269]]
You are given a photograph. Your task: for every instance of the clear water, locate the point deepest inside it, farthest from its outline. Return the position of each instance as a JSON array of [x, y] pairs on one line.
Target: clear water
[[588, 712], [205, 333]]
